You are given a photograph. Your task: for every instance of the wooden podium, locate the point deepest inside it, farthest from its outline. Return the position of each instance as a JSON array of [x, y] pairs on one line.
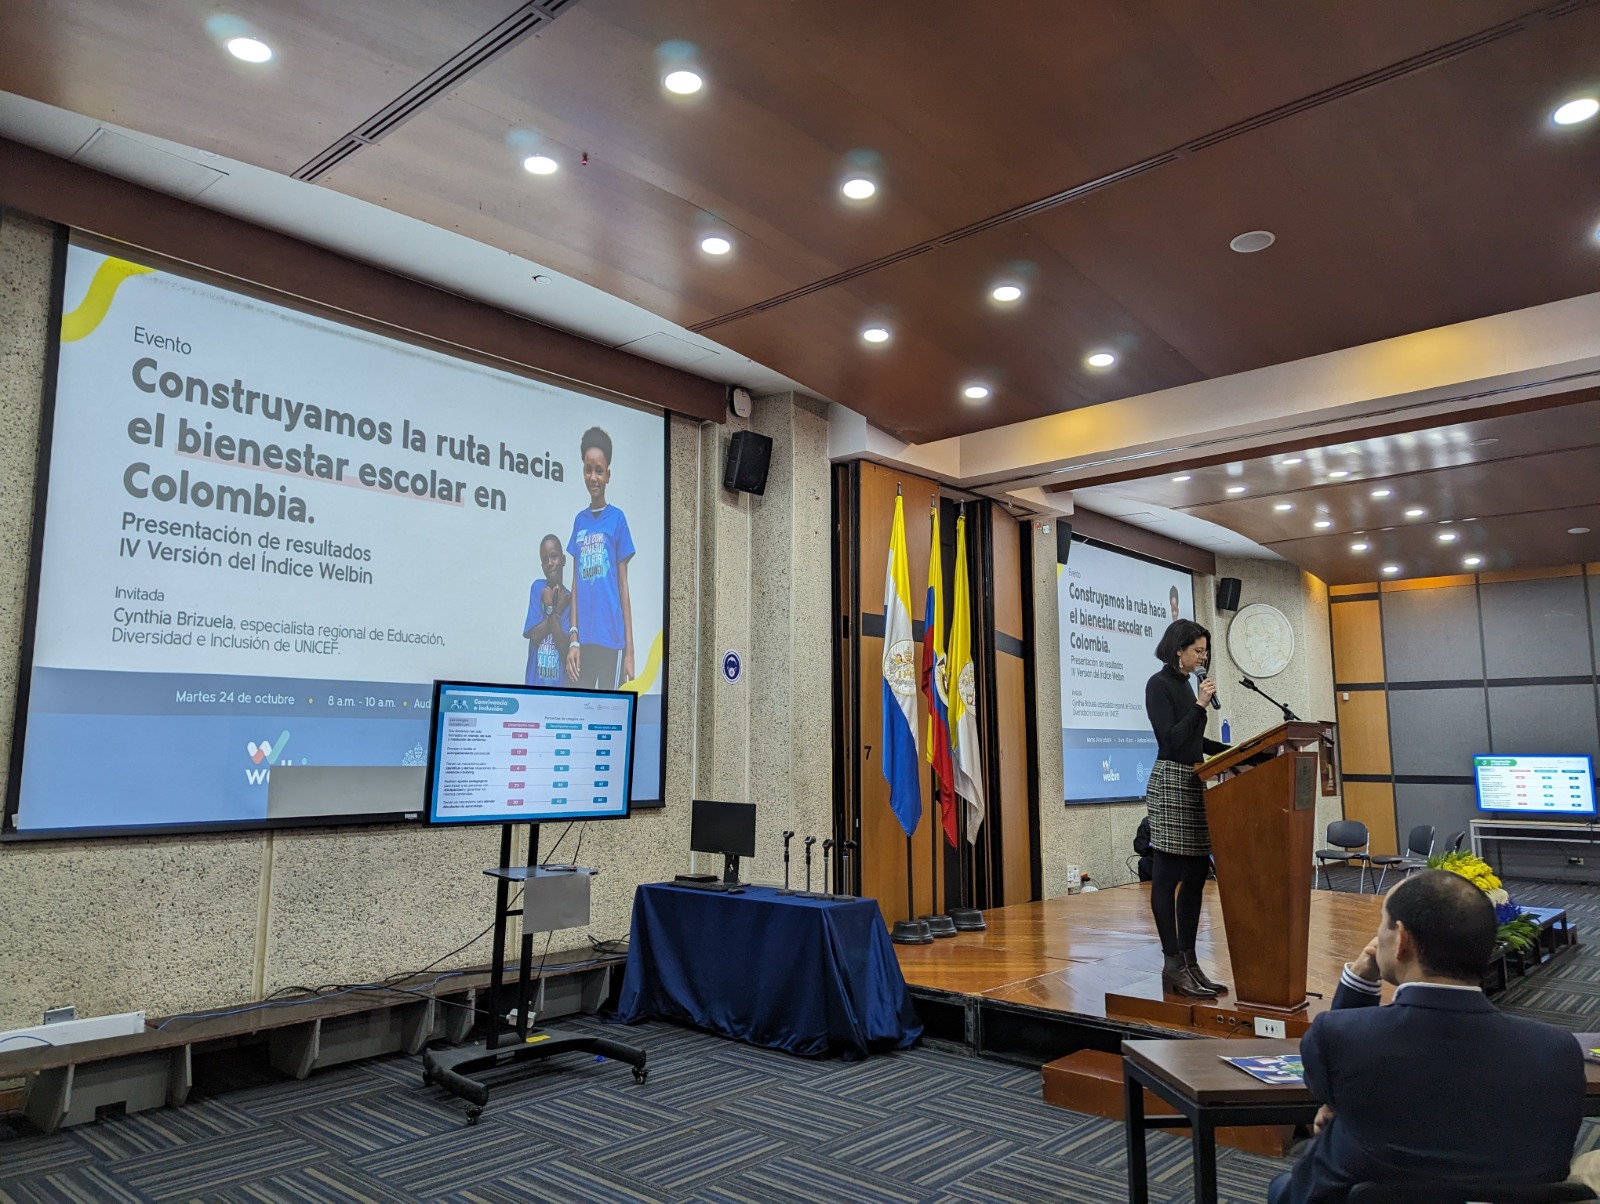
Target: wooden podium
[[1261, 805]]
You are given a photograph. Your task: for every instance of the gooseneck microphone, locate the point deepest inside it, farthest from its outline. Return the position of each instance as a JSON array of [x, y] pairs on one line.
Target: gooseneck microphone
[[1200, 675]]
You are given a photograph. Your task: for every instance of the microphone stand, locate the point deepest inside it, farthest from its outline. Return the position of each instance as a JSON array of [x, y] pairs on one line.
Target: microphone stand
[[1288, 715], [827, 882], [810, 840], [787, 837], [845, 850]]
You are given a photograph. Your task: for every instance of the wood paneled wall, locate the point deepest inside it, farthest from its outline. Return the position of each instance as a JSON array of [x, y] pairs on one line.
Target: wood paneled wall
[[1011, 810], [883, 841], [1362, 704], [864, 496]]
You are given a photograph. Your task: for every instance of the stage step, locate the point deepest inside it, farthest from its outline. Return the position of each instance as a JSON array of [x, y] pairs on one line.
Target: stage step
[[1091, 1081]]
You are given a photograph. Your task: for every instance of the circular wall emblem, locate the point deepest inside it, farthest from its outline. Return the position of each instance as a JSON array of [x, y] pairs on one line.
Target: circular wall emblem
[[1260, 640], [732, 666]]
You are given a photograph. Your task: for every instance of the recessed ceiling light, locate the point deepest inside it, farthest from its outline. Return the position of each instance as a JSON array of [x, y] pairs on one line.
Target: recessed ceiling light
[[713, 245], [975, 392], [1391, 568], [1339, 473], [1101, 359], [1007, 292], [1575, 111], [683, 83], [1577, 530], [539, 165], [1322, 524], [1359, 547], [1473, 562], [1282, 506], [1237, 488], [858, 188], [1449, 536], [251, 50], [1382, 492], [1415, 512], [875, 334], [1293, 460], [1484, 442], [1252, 241], [1182, 477]]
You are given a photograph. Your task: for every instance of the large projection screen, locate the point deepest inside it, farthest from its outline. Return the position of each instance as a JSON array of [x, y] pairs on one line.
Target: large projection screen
[[1112, 610], [266, 533]]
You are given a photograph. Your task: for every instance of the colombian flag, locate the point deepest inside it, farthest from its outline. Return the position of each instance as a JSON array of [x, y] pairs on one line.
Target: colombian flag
[[899, 747], [934, 688]]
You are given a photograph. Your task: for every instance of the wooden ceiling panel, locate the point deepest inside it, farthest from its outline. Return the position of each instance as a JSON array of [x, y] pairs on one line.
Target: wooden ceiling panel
[[161, 68], [1397, 209], [1506, 488], [1511, 541], [948, 333]]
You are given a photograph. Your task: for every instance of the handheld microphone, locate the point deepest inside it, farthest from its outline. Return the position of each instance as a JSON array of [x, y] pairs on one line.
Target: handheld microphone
[[1200, 675]]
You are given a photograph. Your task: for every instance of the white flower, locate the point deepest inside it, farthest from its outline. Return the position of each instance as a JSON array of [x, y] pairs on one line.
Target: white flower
[[1497, 896]]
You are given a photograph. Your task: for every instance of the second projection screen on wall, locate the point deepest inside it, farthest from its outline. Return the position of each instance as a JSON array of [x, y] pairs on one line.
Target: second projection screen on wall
[[1112, 610], [267, 533]]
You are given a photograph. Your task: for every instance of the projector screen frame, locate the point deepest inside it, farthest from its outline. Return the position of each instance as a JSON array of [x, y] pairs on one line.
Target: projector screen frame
[[65, 238]]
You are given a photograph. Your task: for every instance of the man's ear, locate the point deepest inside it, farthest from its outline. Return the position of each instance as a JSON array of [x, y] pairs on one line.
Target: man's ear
[[1405, 948]]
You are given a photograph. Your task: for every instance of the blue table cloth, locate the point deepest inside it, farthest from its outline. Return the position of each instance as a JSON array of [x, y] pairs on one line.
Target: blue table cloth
[[810, 976]]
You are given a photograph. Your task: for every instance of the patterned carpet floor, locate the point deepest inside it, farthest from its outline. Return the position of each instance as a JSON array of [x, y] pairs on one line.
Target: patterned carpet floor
[[717, 1121]]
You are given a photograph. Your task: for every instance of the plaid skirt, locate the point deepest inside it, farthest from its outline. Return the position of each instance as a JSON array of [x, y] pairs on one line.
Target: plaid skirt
[[1177, 804]]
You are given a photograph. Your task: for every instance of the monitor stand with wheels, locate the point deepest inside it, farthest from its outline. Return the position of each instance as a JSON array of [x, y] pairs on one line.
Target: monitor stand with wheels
[[563, 899]]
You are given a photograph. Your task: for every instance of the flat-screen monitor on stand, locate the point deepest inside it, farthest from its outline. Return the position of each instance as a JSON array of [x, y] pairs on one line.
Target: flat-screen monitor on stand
[[726, 828]]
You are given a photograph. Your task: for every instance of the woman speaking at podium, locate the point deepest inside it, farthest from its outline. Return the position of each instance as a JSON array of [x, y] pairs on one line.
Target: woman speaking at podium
[[1180, 841]]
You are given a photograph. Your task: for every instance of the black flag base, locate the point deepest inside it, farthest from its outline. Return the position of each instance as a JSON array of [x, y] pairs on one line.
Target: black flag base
[[967, 919], [911, 932], [939, 925]]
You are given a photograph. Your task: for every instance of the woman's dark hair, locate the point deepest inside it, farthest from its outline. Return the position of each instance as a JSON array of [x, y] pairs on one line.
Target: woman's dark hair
[[1180, 634]]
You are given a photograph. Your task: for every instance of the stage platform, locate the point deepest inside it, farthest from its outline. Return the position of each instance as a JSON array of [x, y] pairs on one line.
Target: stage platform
[[1036, 984]]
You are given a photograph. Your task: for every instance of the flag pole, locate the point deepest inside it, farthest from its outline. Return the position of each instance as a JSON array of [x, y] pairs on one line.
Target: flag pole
[[965, 918]]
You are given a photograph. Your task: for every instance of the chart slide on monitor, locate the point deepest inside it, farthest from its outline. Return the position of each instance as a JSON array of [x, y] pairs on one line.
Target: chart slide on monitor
[[1112, 611], [1535, 785], [268, 533], [507, 757]]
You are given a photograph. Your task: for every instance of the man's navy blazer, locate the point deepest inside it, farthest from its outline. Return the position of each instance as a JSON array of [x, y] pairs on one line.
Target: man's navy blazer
[[1439, 1086]]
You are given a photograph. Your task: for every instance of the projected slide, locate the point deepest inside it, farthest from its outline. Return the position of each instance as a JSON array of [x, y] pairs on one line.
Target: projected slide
[[1112, 610], [267, 533], [511, 756]]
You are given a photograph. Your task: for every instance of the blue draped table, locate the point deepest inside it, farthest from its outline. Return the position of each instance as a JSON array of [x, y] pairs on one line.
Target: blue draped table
[[810, 976]]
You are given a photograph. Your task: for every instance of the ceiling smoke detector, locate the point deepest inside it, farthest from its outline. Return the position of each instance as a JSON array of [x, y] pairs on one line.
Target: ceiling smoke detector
[[1252, 241]]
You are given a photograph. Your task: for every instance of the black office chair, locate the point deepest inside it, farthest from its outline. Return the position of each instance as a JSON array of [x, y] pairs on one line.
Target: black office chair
[[1419, 847], [1455, 842], [1349, 841], [1483, 1193]]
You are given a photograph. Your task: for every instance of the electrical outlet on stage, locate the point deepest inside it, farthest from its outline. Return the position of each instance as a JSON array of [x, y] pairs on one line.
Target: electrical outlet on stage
[[1269, 1028]]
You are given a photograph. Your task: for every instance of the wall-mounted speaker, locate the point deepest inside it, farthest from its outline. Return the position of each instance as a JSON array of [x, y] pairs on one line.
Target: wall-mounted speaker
[[749, 457], [1228, 593]]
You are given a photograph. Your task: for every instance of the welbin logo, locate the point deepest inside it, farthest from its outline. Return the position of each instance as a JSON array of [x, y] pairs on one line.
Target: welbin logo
[[263, 756]]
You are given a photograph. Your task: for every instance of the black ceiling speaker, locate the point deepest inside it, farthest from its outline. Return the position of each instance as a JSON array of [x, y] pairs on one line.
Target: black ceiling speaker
[[749, 456], [1228, 593]]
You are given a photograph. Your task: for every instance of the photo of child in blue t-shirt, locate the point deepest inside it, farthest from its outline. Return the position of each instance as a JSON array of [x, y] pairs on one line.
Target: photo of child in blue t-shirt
[[600, 655], [549, 620]]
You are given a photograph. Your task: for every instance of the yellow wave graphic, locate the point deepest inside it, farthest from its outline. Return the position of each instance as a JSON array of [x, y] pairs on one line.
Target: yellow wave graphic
[[96, 303], [652, 665]]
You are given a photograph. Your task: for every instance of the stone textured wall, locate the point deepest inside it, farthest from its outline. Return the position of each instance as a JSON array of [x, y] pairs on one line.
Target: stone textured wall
[[1098, 838], [170, 924]]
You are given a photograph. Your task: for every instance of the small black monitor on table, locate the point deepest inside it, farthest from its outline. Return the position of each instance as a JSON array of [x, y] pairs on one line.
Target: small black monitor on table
[[726, 828]]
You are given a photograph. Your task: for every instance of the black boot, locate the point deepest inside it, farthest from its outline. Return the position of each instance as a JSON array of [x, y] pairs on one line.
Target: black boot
[[1199, 975], [1178, 979]]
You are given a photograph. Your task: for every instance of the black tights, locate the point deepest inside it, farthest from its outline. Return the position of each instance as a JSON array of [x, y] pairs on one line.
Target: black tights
[[1177, 919]]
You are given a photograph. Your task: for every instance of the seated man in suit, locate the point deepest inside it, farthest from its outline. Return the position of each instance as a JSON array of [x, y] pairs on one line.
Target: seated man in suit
[[1439, 1086]]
